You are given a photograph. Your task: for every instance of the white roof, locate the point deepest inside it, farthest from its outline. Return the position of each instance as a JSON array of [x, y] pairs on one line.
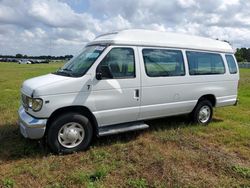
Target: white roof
[[141, 37]]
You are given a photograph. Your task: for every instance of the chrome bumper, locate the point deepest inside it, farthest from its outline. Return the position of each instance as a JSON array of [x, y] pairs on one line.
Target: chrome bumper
[[29, 126]]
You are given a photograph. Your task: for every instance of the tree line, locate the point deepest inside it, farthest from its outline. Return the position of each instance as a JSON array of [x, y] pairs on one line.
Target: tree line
[[48, 57], [243, 54]]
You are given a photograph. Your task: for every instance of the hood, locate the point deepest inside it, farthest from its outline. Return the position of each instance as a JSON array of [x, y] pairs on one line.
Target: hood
[[29, 86], [52, 84]]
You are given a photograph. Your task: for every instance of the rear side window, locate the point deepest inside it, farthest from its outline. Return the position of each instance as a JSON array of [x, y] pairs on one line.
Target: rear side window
[[203, 63], [231, 64], [120, 62], [161, 62]]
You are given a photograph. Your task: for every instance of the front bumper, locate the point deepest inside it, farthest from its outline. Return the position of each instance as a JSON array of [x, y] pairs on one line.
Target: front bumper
[[29, 126]]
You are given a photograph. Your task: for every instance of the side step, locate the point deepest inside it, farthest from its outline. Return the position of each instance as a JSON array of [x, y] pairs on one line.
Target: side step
[[120, 128]]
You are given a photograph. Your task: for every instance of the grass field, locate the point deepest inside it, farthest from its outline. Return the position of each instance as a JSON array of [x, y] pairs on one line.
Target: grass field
[[172, 153]]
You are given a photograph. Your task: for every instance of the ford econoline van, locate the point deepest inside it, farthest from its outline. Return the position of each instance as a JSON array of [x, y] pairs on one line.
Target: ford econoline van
[[123, 78]]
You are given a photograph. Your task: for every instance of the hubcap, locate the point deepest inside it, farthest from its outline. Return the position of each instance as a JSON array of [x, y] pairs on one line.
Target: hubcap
[[71, 135], [204, 114]]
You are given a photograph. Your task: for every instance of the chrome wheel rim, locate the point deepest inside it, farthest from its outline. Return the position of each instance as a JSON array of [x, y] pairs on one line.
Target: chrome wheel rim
[[204, 114], [71, 135]]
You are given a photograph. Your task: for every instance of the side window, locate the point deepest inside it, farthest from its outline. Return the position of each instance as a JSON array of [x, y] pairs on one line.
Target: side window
[[161, 62], [202, 63], [231, 64], [119, 63]]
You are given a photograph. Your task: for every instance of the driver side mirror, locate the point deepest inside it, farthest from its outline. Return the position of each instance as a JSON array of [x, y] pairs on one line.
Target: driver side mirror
[[103, 72]]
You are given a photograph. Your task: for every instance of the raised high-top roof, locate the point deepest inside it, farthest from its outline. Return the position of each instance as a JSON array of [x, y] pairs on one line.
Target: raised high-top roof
[[141, 37]]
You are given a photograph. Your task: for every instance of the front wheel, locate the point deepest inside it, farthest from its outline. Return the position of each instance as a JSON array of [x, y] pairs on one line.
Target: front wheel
[[69, 133], [203, 112]]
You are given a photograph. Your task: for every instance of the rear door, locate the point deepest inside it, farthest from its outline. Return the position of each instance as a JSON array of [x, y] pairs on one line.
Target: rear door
[[116, 96], [164, 83]]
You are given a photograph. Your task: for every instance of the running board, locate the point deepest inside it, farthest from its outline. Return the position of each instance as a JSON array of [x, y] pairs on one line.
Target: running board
[[120, 128]]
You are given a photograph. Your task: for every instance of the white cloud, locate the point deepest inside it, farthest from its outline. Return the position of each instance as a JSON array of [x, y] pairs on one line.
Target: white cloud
[[55, 14], [56, 27], [227, 3], [115, 23], [28, 34], [186, 3]]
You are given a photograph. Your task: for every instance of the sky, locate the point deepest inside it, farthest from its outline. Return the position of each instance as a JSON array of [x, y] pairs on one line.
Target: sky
[[60, 27]]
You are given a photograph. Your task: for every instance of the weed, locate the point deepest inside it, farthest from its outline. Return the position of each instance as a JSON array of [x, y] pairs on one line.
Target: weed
[[55, 185], [78, 177], [98, 174], [138, 183], [8, 182], [87, 178], [242, 171], [98, 155]]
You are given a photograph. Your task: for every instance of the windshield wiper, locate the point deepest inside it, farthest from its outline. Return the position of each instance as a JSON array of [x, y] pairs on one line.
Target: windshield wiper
[[64, 72]]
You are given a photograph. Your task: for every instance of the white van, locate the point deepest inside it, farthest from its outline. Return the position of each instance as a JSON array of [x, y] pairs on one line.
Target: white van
[[123, 78], [24, 61]]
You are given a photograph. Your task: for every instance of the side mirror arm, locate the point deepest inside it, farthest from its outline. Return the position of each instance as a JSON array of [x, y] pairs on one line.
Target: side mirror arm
[[98, 75]]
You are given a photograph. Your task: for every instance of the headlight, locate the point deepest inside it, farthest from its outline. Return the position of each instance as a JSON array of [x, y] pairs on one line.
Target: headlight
[[35, 104]]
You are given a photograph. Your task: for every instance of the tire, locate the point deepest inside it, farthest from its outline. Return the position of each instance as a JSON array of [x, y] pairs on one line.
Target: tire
[[202, 113], [70, 133]]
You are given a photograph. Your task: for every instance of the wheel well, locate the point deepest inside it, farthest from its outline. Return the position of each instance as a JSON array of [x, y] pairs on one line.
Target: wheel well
[[78, 109], [209, 97]]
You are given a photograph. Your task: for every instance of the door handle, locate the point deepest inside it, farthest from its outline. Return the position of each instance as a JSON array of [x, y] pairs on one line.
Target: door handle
[[137, 94]]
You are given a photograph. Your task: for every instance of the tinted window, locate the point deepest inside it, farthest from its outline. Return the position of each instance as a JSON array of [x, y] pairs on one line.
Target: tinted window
[[202, 63], [231, 64], [161, 62], [120, 62]]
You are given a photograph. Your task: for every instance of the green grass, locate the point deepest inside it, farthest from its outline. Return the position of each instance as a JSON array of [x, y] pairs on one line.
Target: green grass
[[172, 153], [137, 183]]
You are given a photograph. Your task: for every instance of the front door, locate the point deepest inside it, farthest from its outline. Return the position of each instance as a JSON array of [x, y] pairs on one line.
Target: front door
[[116, 91]]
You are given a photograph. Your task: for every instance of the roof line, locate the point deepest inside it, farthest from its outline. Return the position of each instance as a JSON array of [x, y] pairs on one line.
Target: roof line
[[105, 34], [155, 46], [163, 39]]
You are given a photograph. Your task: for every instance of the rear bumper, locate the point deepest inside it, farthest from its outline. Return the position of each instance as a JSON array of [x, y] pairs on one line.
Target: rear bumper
[[236, 102], [29, 126]]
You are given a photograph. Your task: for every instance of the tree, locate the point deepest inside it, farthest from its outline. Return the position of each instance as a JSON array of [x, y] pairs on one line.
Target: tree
[[248, 55], [243, 54], [239, 55], [19, 56]]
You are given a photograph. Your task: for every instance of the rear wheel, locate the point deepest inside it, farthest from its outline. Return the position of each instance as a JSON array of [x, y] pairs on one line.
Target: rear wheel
[[69, 133], [203, 112]]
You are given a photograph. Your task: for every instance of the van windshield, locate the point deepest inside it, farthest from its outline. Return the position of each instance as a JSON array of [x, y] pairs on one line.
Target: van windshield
[[80, 64]]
